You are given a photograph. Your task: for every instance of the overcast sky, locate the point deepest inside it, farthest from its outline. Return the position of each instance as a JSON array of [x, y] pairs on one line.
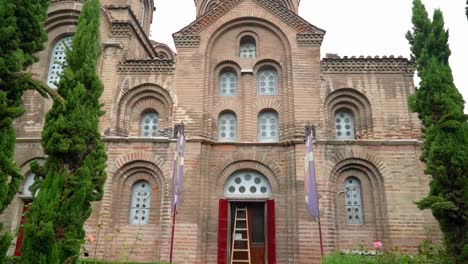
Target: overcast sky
[[357, 27]]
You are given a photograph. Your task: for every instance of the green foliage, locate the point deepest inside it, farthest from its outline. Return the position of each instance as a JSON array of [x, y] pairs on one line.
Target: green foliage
[[427, 254], [21, 36], [74, 172], [440, 107]]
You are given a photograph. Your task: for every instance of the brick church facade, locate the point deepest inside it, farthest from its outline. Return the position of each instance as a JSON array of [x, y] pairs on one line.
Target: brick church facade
[[245, 81]]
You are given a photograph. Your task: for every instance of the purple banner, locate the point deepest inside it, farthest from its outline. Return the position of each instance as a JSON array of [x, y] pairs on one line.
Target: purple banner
[[310, 184], [178, 169]]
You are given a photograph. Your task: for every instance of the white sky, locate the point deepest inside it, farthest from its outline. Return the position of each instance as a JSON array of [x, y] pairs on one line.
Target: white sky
[[357, 27]]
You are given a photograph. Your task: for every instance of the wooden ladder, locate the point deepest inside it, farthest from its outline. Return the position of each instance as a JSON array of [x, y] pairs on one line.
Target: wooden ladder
[[240, 250]]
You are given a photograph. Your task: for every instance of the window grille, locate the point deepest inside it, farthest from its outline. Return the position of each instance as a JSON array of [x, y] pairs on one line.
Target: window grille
[[247, 184], [247, 48], [268, 127], [140, 204], [149, 124], [267, 82], [228, 83], [353, 201], [344, 125], [227, 127], [57, 61]]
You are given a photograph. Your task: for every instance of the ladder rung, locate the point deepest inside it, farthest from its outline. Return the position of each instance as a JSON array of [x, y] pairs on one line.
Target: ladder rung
[[241, 209], [240, 249], [241, 261], [241, 239], [240, 229]]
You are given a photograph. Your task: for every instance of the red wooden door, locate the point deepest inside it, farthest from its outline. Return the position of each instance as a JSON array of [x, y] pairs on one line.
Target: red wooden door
[[222, 231], [271, 232], [19, 240]]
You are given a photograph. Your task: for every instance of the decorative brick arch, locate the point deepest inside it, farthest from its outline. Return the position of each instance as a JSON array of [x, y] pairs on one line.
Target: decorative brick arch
[[374, 204], [156, 160], [238, 19], [133, 102], [353, 101], [230, 166]]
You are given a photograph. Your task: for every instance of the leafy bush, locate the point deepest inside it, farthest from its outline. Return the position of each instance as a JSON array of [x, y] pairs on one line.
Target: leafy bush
[[427, 254], [12, 260]]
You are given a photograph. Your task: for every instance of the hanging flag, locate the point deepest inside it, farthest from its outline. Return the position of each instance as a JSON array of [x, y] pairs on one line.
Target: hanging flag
[[178, 169], [310, 185]]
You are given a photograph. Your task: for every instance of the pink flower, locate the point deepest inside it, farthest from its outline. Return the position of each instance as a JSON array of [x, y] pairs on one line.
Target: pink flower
[[90, 239], [377, 244]]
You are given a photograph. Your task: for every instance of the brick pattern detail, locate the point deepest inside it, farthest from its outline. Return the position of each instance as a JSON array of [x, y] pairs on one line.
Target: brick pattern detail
[[361, 64], [147, 66], [310, 39]]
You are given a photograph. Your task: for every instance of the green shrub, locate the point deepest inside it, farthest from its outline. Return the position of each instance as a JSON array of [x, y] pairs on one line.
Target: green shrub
[[12, 260]]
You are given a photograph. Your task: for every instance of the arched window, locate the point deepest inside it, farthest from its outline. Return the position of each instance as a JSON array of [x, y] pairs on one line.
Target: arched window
[[227, 127], [267, 82], [268, 127], [247, 48], [140, 204], [57, 61], [247, 184], [344, 125], [353, 201], [227, 83], [26, 192], [149, 124]]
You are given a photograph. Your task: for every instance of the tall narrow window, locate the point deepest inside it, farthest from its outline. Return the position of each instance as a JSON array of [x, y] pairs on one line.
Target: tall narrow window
[[268, 127], [143, 11], [140, 205], [27, 192], [227, 127], [228, 83], [353, 201], [267, 82], [57, 61], [149, 124], [344, 125], [247, 47]]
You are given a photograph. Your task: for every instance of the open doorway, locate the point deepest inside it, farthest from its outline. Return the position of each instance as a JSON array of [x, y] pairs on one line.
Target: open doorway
[[256, 227]]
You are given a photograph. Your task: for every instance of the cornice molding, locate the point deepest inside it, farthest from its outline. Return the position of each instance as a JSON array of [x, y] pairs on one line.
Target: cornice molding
[[308, 33], [391, 64], [147, 66]]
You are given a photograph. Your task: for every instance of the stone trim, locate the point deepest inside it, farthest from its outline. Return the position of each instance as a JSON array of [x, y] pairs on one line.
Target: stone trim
[[391, 64], [146, 66]]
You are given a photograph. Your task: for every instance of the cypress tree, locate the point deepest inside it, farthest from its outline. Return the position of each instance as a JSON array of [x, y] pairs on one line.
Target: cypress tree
[[74, 172], [22, 35], [445, 150]]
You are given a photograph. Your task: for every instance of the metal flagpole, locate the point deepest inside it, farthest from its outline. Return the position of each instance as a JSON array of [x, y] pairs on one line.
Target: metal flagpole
[[172, 235]]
